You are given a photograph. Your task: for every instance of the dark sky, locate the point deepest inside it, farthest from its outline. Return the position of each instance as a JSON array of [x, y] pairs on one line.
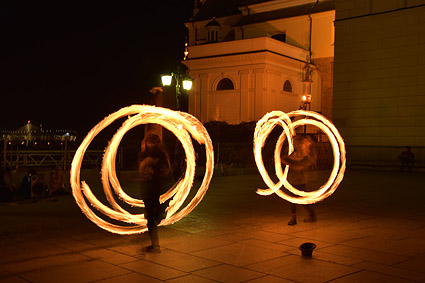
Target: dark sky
[[67, 66]]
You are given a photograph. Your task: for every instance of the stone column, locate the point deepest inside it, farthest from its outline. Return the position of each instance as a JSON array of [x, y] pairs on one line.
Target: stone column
[[246, 100], [203, 98], [259, 78]]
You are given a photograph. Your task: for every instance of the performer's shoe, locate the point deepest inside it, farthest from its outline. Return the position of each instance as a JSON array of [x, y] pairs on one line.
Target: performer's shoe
[[152, 249], [293, 221], [311, 219]]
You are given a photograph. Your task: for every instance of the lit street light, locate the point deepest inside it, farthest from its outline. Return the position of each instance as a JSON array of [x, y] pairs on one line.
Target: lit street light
[[181, 82], [179, 101], [305, 103], [166, 80], [187, 84]]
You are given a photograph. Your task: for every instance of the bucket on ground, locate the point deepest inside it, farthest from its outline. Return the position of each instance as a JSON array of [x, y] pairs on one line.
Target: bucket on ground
[[307, 249]]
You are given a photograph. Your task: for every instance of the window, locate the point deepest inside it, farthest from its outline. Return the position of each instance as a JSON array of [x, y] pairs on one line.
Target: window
[[225, 84], [213, 28], [287, 86], [280, 37], [213, 36]]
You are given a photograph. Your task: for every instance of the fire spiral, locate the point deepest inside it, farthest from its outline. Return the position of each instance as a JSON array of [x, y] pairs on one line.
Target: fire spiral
[[262, 131], [185, 127]]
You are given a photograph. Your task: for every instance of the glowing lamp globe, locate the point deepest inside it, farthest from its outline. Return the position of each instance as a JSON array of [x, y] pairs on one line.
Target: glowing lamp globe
[[187, 84], [306, 98], [166, 80]]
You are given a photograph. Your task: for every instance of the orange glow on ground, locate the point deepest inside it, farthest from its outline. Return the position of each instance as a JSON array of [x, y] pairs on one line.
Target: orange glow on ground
[[184, 126], [262, 131]]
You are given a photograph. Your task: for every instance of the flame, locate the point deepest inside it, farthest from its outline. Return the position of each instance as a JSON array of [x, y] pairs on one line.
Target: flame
[[263, 129], [184, 126]]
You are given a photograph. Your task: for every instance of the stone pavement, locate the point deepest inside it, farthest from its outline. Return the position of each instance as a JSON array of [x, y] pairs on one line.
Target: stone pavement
[[372, 229]]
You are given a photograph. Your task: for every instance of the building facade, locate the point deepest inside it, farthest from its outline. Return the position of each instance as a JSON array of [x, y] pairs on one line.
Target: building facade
[[379, 83], [250, 57]]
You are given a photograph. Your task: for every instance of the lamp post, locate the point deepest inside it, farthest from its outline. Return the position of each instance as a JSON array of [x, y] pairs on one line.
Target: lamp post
[[307, 80], [306, 98], [305, 105], [178, 102], [182, 82]]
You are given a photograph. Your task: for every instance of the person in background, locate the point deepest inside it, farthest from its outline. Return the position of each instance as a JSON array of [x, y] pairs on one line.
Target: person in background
[[57, 182], [6, 186], [38, 186], [25, 188], [154, 169], [407, 159], [301, 160]]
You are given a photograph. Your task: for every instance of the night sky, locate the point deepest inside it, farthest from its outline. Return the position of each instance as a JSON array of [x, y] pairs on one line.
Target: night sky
[[67, 65]]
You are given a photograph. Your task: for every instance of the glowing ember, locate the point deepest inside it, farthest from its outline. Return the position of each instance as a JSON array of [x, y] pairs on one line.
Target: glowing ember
[[263, 129], [184, 127]]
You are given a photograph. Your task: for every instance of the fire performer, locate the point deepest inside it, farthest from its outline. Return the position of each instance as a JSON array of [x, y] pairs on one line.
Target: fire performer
[[154, 168], [302, 159]]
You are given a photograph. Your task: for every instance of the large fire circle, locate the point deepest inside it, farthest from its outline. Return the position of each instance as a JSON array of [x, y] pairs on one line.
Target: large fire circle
[[185, 127], [262, 131]]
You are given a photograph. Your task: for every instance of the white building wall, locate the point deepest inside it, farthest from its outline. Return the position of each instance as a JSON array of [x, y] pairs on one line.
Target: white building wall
[[259, 68], [258, 87]]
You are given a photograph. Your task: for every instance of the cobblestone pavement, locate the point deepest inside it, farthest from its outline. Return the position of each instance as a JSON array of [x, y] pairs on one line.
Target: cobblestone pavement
[[372, 229]]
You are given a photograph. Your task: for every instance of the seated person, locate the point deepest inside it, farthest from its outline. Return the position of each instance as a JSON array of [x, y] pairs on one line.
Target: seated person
[[38, 186], [24, 191], [57, 183], [6, 186]]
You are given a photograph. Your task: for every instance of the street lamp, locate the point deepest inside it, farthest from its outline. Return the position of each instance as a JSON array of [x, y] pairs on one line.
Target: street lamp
[[187, 84], [307, 80], [181, 82], [166, 80], [305, 103]]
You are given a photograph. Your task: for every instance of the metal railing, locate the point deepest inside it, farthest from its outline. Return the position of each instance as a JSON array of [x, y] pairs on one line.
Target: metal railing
[[51, 158]]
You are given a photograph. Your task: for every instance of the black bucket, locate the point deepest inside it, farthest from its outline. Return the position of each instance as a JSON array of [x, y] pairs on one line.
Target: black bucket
[[307, 249]]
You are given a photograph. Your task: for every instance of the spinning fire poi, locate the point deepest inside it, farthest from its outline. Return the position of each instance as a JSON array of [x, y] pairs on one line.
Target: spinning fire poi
[[263, 129], [185, 127]]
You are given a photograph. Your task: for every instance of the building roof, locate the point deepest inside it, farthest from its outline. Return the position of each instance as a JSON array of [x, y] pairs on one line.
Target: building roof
[[251, 2], [218, 9], [223, 8], [294, 11], [213, 23]]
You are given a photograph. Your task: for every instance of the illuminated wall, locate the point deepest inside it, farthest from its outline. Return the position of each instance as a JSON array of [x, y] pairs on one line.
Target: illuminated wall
[[259, 65], [258, 75], [379, 83]]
